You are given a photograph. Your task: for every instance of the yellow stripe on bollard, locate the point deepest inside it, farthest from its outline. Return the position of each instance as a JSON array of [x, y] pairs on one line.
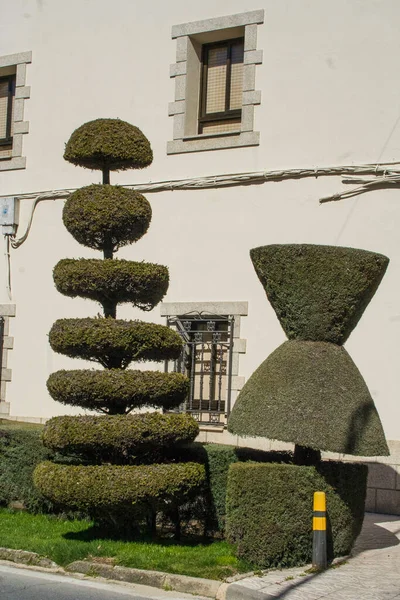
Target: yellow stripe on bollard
[[320, 501], [319, 523]]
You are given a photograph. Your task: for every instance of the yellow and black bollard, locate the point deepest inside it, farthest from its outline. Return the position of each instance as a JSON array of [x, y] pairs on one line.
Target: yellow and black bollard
[[319, 558]]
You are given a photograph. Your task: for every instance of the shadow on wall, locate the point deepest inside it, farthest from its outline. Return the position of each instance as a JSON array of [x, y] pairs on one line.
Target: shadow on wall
[[383, 492]]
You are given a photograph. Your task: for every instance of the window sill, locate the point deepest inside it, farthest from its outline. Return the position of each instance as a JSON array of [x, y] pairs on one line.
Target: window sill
[[11, 164], [215, 141]]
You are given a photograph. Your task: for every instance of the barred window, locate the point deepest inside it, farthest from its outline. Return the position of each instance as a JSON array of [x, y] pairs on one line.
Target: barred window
[[7, 93], [206, 359], [221, 87]]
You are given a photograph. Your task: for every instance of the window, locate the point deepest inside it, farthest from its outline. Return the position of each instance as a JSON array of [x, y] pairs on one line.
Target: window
[[13, 93], [210, 356], [221, 87], [214, 77], [7, 93]]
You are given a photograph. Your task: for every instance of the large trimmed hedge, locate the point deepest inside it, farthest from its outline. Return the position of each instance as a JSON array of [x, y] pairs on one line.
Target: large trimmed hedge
[[102, 487], [318, 292], [269, 510], [106, 216], [110, 143], [119, 438], [116, 391], [114, 343], [311, 394], [112, 281]]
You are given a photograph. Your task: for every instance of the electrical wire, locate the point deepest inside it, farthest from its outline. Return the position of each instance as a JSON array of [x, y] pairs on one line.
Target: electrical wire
[[8, 266], [388, 176]]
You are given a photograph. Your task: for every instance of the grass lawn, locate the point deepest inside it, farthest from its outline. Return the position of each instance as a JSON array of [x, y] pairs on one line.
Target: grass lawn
[[66, 541], [8, 424]]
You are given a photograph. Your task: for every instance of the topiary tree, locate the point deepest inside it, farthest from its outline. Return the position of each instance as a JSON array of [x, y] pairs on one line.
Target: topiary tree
[[125, 472], [309, 391]]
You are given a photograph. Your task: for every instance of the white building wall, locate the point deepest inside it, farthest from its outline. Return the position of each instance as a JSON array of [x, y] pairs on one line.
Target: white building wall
[[330, 89]]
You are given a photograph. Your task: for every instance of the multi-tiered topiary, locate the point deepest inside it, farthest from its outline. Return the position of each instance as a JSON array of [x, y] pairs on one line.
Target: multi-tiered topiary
[[124, 456], [308, 392]]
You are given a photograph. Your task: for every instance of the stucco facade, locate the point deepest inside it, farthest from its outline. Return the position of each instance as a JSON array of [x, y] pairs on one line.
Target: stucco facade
[[322, 90]]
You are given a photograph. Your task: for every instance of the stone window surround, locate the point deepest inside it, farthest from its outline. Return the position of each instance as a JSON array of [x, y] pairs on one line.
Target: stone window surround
[[232, 309], [186, 72], [22, 92], [6, 311]]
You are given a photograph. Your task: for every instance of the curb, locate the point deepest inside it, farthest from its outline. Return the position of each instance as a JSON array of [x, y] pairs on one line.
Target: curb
[[166, 581], [27, 558]]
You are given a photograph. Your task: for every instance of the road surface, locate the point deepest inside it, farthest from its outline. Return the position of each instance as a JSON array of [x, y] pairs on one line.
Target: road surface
[[22, 584]]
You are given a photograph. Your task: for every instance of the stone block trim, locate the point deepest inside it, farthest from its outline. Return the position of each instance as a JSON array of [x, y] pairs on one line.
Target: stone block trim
[[7, 311], [186, 71], [229, 309], [12, 160]]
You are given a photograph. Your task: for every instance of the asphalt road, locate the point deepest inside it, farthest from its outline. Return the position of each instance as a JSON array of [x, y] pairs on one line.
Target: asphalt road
[[22, 584]]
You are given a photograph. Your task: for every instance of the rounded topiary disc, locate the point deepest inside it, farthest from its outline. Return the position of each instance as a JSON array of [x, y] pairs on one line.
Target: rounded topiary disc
[[114, 343], [143, 284], [98, 487], [118, 391], [106, 216], [108, 143], [119, 436], [310, 394], [318, 292]]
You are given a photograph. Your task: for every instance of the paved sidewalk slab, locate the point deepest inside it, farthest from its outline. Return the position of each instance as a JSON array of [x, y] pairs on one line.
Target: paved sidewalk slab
[[371, 573]]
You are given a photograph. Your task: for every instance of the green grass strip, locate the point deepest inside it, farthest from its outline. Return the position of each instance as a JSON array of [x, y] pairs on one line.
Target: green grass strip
[[65, 541]]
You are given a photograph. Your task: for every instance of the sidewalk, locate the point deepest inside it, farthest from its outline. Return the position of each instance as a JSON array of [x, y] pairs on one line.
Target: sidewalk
[[372, 572]]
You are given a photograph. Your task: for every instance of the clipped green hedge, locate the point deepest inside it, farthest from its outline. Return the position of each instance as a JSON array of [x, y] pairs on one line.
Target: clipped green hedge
[[97, 488], [318, 292], [217, 459], [118, 391], [115, 438], [111, 143], [116, 281], [106, 216], [114, 343], [311, 394], [269, 510], [20, 451]]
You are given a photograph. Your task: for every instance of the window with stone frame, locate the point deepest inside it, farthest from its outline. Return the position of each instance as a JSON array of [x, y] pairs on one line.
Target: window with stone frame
[[214, 77]]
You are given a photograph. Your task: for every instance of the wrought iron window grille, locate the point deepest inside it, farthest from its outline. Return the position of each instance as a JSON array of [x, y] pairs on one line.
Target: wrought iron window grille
[[206, 358]]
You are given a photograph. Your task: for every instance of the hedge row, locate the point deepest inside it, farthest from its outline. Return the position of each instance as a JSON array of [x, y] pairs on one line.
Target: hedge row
[[97, 488], [217, 459], [114, 343], [106, 216], [318, 292], [20, 451], [116, 281], [117, 391], [311, 394], [114, 438], [111, 143], [269, 510]]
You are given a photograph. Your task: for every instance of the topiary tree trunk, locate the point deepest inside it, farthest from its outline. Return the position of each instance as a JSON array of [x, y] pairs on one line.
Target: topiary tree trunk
[[125, 474]]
